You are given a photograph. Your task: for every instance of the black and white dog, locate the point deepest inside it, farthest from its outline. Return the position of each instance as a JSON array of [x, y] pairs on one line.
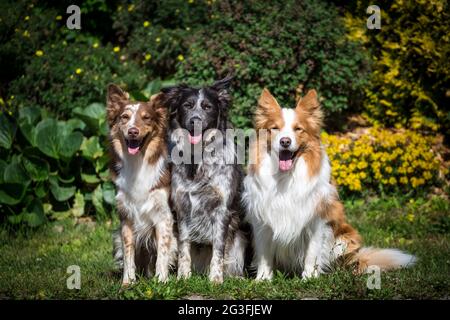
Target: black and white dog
[[205, 190]]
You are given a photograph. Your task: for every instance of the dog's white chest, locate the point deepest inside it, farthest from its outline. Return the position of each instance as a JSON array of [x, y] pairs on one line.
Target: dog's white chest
[[136, 180], [284, 201]]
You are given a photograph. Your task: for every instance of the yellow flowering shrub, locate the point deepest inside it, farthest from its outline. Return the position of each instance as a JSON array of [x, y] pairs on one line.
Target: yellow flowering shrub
[[410, 68], [382, 159]]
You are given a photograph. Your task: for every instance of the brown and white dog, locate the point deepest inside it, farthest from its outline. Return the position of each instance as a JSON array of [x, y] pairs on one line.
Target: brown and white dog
[[298, 221], [140, 172]]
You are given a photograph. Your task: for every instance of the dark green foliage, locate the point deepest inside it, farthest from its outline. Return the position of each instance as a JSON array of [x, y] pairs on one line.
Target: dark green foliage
[[72, 75], [280, 45]]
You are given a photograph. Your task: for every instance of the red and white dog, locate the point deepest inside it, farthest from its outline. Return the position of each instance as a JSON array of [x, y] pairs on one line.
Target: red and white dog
[[140, 171], [298, 221]]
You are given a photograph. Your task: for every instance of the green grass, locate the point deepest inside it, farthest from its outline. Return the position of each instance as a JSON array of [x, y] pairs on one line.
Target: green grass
[[33, 264]]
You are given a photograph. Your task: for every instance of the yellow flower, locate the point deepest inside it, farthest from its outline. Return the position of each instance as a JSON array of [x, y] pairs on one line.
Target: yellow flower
[[26, 34], [146, 24], [58, 18], [190, 1], [116, 49], [148, 56], [388, 169], [95, 45], [78, 71], [39, 53], [362, 175], [427, 175], [27, 18], [392, 180], [180, 57], [404, 180], [410, 217], [130, 7], [158, 40], [149, 293]]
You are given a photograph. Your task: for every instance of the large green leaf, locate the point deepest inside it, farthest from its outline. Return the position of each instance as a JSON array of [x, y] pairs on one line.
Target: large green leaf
[[152, 88], [97, 201], [93, 115], [101, 163], [70, 144], [56, 139], [3, 166], [41, 190], [46, 137], [31, 114], [91, 148], [60, 193], [73, 124], [90, 178], [15, 173], [34, 214], [7, 131], [28, 117], [78, 205], [14, 182], [37, 168], [109, 193], [12, 193]]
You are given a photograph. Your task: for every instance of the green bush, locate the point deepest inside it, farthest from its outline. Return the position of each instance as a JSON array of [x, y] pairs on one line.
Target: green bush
[[281, 45], [72, 75], [23, 29], [156, 34]]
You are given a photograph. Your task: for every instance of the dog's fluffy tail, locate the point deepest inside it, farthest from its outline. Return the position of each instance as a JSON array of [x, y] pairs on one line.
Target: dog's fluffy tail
[[385, 259]]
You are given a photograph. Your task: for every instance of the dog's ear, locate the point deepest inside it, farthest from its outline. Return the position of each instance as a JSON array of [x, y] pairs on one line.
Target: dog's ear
[[310, 104], [116, 99], [268, 108], [267, 102], [157, 104], [222, 87], [223, 84], [170, 97]]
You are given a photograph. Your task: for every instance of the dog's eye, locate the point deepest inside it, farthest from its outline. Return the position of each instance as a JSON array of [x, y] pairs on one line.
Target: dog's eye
[[188, 105], [146, 117], [299, 129], [273, 128], [206, 106], [125, 116]]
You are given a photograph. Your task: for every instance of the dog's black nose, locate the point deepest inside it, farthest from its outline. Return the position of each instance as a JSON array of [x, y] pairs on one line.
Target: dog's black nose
[[133, 132], [285, 142], [194, 120]]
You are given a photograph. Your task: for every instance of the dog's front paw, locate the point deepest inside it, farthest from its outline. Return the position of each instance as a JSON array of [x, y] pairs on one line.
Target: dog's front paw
[[127, 283], [308, 274], [183, 274], [264, 276], [162, 277], [216, 278]]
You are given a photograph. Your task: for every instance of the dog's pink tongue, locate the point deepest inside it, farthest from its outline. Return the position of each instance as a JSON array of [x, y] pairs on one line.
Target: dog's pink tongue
[[285, 165], [195, 139], [133, 151]]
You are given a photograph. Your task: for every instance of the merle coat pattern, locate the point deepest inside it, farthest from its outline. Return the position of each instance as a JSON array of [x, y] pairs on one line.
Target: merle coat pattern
[[205, 194]]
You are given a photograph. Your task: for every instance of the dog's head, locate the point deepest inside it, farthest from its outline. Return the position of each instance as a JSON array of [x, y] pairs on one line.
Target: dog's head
[[135, 124], [292, 132], [199, 109]]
